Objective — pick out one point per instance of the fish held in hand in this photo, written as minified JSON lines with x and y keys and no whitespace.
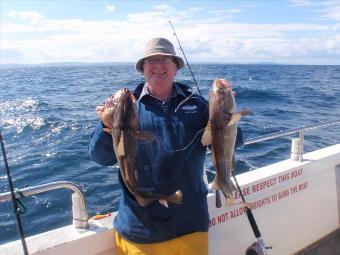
{"x":125,"y":133}
{"x":220,"y":133}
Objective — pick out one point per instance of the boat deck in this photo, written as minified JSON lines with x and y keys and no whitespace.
{"x":329,"y":245}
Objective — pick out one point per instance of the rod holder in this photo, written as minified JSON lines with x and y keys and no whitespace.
{"x":79,"y":211}
{"x":297,"y":149}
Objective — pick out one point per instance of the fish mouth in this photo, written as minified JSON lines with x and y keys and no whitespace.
{"x":124,"y":95}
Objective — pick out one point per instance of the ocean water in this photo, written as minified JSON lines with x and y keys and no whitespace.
{"x":47,"y":114}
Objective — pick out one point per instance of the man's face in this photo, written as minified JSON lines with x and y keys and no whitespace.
{"x":159,"y":69}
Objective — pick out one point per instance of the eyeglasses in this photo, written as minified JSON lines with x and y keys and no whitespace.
{"x":161,"y":61}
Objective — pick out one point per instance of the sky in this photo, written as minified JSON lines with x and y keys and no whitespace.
{"x":234,"y":31}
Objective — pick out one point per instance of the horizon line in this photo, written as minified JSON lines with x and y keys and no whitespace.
{"x":130,"y":62}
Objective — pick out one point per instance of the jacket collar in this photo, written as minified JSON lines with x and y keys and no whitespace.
{"x":177,"y":91}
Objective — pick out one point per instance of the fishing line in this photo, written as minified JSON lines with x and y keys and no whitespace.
{"x":192,"y":74}
{"x":180,"y":46}
{"x":191,"y":142}
{"x":182,"y":149}
{"x":17,"y":209}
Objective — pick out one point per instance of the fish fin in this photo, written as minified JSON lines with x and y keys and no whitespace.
{"x":108,"y":130}
{"x":143,"y":201}
{"x":164,"y":203}
{"x":231,"y":201}
{"x":136,"y":175}
{"x":231,"y":186}
{"x":233,"y":165}
{"x":245,"y":112}
{"x":145,"y":136}
{"x":207,"y":137}
{"x":176,"y":198}
{"x":237,"y":116}
{"x":234,"y":118}
{"x":246,"y":205}
{"x":121,"y":147}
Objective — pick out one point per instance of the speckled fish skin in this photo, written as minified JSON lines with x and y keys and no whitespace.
{"x":221,"y":133}
{"x":125,"y":123}
{"x":125,"y":133}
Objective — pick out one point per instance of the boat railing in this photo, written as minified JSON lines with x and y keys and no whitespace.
{"x":79,"y":206}
{"x":297,"y":143}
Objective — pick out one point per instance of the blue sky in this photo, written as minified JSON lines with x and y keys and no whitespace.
{"x":238,"y":31}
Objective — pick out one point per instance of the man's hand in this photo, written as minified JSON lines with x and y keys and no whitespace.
{"x":105,"y":114}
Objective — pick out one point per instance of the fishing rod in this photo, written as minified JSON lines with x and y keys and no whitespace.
{"x":180,"y":46}
{"x":17,"y":209}
{"x":257,"y":248}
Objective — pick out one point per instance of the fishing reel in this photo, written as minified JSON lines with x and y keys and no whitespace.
{"x":256,"y":248}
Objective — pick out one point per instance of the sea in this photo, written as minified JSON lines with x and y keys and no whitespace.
{"x":47,"y":115}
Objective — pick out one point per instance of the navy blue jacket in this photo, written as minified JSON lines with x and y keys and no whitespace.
{"x":174,"y":161}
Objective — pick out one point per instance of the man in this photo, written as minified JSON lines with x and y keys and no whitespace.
{"x":174,"y":161}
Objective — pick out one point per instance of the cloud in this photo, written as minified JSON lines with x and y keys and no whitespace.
{"x":8,"y":55}
{"x":234,"y":10}
{"x":329,"y":9}
{"x":331,"y":12}
{"x":110,"y":8}
{"x":300,"y":2}
{"x":203,"y":39}
{"x":163,"y":8}
{"x":25,"y":15}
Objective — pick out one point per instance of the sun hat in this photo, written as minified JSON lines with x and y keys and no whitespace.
{"x":159,"y":46}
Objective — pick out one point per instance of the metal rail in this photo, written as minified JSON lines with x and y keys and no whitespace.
{"x":289,"y":132}
{"x":79,"y":207}
{"x":297,"y":143}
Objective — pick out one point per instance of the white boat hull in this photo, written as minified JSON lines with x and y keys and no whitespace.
{"x":294,"y":204}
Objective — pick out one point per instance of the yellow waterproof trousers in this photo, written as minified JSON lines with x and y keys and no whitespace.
{"x":191,"y":244}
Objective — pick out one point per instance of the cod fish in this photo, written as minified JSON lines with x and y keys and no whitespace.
{"x":125,"y":133}
{"x":220,"y":133}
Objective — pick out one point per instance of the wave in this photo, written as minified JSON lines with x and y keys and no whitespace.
{"x":258,"y":95}
{"x":48,"y":114}
{"x":21,"y":114}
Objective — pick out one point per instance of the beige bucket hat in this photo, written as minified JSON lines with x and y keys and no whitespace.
{"x":159,"y":46}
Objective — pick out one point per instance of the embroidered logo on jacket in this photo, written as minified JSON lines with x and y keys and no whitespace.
{"x":189,"y":108}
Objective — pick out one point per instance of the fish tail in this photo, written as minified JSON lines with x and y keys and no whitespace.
{"x":230,"y":202}
{"x":176,"y":198}
{"x":227,"y":192}
{"x":214,"y":186}
{"x":228,"y":195}
{"x":224,"y":187}
{"x":231,"y":186}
